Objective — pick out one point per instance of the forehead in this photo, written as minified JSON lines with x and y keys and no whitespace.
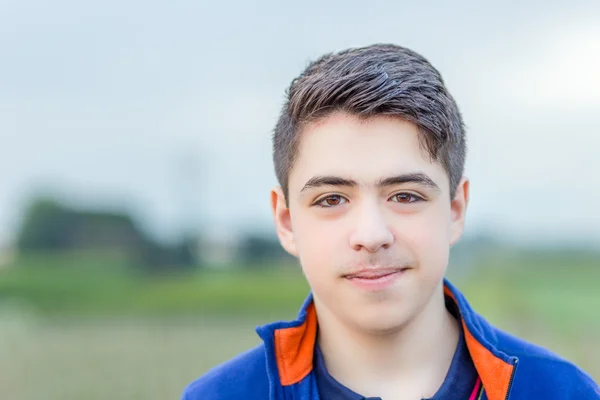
{"x":364,"y":150}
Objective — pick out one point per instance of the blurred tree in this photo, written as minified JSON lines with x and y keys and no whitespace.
{"x":50,"y":226}
{"x":160,"y":258}
{"x":256,"y":250}
{"x":45,"y":226}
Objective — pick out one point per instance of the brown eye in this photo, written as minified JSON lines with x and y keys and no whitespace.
{"x":406,"y":198}
{"x":331,"y":201}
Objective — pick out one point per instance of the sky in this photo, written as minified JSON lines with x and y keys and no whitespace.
{"x":166,"y":109}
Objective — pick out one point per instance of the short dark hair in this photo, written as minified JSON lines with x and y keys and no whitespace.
{"x":381,"y":79}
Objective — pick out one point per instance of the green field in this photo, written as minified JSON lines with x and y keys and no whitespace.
{"x":72,"y":330}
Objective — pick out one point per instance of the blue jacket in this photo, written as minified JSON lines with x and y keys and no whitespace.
{"x":281,"y":368}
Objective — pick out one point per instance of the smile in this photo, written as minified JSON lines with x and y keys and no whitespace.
{"x":375,"y":279}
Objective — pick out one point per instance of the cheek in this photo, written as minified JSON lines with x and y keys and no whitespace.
{"x":318,"y":243}
{"x":428,"y":236}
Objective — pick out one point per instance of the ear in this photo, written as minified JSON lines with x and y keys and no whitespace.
{"x":283,"y":221}
{"x":458,"y":210}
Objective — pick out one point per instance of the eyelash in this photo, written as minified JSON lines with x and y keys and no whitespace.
{"x":319,"y":203}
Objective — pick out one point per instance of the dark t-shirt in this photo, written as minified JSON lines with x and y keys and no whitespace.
{"x":458,"y":384}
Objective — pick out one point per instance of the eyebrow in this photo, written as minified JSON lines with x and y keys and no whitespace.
{"x":329,"y":180}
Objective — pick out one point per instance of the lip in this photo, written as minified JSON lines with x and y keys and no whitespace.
{"x":375,"y":278}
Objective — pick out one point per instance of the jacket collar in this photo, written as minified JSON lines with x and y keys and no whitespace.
{"x":292,"y":346}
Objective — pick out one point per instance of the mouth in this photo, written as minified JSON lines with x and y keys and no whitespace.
{"x":375,"y":278}
{"x":375,"y":273}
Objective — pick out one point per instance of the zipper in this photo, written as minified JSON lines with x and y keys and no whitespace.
{"x":512,"y":376}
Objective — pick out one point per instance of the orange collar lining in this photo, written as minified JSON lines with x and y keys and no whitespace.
{"x":494,"y":372}
{"x":294,"y":349}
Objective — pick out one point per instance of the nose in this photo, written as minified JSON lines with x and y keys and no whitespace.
{"x":371,"y":231}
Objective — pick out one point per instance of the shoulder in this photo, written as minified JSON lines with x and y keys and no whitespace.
{"x":544,"y":374}
{"x":244,"y":376}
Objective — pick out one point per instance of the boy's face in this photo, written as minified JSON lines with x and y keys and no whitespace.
{"x":370,"y":219}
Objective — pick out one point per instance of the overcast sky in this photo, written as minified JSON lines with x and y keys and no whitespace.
{"x":166,"y":109}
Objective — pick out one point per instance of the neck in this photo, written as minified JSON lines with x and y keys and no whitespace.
{"x":415,"y":357}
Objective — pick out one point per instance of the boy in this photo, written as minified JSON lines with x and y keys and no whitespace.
{"x":369,"y":152}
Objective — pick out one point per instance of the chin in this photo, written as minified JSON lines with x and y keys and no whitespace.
{"x":380,"y":327}
{"x":382,"y":321}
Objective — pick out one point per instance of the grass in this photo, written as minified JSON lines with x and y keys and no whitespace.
{"x":59,"y":287}
{"x":126,"y":359}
